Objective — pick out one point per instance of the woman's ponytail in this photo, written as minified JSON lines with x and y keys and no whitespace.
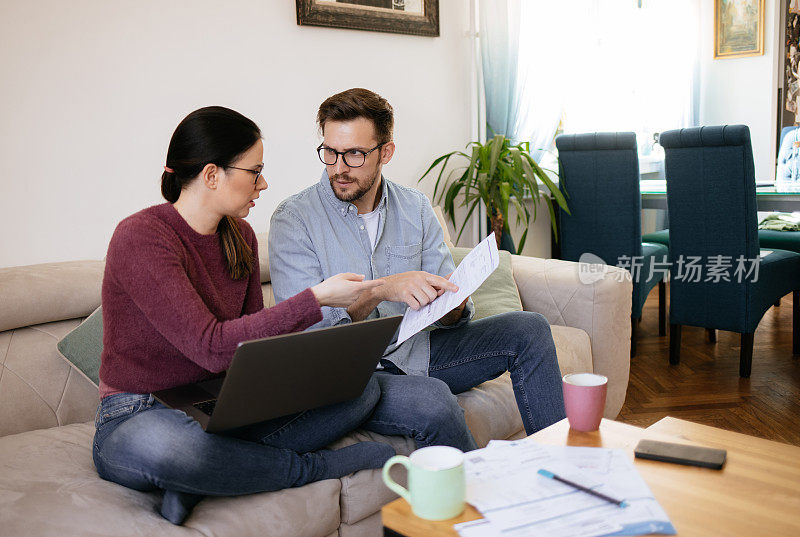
{"x":237,"y":252}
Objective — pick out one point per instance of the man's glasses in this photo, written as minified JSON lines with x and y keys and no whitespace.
{"x":353,"y":158}
{"x":258,"y":173}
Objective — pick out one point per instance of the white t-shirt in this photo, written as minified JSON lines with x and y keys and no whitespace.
{"x":371,"y":221}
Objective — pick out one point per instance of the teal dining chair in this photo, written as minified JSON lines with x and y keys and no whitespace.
{"x":711,"y":199}
{"x":599,"y":174}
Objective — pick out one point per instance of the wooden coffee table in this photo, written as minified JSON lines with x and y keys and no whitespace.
{"x":756,"y":493}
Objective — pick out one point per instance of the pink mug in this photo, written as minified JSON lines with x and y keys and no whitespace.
{"x":584,"y":400}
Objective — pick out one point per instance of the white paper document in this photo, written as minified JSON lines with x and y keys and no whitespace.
{"x":468,"y":276}
{"x":503,"y":484}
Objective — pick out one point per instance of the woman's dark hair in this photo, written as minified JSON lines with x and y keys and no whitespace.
{"x":355,"y":103}
{"x":209,"y":135}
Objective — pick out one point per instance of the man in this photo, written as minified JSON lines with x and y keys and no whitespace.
{"x":354,"y":220}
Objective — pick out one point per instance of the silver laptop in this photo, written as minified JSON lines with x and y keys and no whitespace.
{"x":277,"y":376}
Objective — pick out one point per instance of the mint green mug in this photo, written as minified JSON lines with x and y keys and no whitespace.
{"x":435,"y":481}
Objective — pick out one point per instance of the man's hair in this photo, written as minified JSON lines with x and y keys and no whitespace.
{"x":358,"y":102}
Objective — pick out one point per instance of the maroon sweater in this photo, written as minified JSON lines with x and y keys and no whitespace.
{"x":172,"y":314}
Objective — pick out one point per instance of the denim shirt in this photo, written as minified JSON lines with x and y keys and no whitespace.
{"x":313,"y":235}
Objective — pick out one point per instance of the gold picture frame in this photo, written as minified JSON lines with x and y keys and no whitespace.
{"x":395,"y":16}
{"x":738,"y":28}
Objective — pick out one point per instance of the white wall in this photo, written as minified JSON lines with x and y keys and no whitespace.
{"x":92,"y":91}
{"x":743,"y":90}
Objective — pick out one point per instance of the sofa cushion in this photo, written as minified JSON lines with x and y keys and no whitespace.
{"x":491,"y":410}
{"x":448,"y":240}
{"x":574,"y":349}
{"x":310,"y":511}
{"x":269,"y":296}
{"x":36,"y":294}
{"x":263,"y":256}
{"x":364,"y":493}
{"x":498,"y":294}
{"x":38,"y":388}
{"x":82,"y":347}
{"x":366,"y":527}
{"x":48,"y":477}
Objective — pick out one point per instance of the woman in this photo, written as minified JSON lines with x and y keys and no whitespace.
{"x":181,"y":290}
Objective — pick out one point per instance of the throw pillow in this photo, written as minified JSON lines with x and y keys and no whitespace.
{"x":82,"y":346}
{"x":498,"y":294}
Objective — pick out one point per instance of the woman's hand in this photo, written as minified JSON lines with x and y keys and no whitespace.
{"x":343,"y":289}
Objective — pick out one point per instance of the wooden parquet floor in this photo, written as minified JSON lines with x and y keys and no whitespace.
{"x":705,"y":387}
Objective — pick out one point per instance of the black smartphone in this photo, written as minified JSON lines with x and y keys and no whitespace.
{"x":680,"y":454}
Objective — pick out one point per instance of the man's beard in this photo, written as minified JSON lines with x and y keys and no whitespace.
{"x":358,"y":194}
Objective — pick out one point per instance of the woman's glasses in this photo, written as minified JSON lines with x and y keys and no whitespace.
{"x":258,"y":173}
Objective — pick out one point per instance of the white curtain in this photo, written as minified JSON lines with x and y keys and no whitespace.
{"x":545,"y":70}
{"x":606,"y":65}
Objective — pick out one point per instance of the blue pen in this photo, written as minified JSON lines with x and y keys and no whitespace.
{"x":551,"y":475}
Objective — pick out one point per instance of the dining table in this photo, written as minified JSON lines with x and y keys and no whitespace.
{"x":769,"y":196}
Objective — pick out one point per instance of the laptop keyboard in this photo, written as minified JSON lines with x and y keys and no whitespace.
{"x":207,"y":407}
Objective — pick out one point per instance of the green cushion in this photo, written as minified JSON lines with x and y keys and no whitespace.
{"x":782,"y":240}
{"x":658,"y":237}
{"x":82,"y":346}
{"x":498,"y":294}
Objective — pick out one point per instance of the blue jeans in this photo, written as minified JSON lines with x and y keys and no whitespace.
{"x":426,"y":409}
{"x":422,"y":408}
{"x":143,"y":445}
{"x":519,"y":342}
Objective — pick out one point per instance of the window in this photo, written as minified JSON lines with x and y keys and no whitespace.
{"x":607,"y":65}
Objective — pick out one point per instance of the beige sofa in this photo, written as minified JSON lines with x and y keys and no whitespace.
{"x":48,"y":483}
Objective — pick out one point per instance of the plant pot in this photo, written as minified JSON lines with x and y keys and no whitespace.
{"x":506,"y":241}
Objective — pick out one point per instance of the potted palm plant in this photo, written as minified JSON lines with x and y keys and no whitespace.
{"x":499,"y":174}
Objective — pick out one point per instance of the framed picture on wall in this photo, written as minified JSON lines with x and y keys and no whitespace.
{"x":738,"y":28}
{"x":415,"y":17}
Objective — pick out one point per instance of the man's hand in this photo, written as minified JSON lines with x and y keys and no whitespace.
{"x":417,"y":288}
